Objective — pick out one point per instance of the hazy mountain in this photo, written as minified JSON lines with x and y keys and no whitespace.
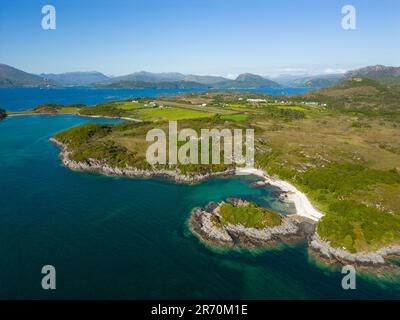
{"x":377,"y":72}
{"x":76,"y":78}
{"x":307,"y":81}
{"x":320,"y":81}
{"x":167,"y":76}
{"x":168,"y":80}
{"x":12,"y":77}
{"x":205,"y":79}
{"x":135,"y":84}
{"x":247,"y":81}
{"x":150,"y":77}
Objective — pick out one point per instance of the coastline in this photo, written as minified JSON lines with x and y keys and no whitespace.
{"x":323,"y":251}
{"x":73,"y":114}
{"x":303,"y":206}
{"x":320,"y":249}
{"x":102,"y":168}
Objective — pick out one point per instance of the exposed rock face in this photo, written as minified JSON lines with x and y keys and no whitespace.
{"x":334,"y":255}
{"x":204,"y":223}
{"x":101,"y":166}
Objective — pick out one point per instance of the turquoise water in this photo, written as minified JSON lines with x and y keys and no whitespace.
{"x":18,"y":99}
{"x":127,"y":238}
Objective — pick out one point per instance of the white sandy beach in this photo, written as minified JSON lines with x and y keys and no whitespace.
{"x":303,"y":205}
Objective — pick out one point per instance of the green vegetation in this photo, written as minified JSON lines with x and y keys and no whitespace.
{"x":124,"y":145}
{"x":58,"y":108}
{"x":89,"y":142}
{"x":360,"y":95}
{"x":343,"y":179}
{"x":235,"y":117}
{"x":147,"y":111}
{"x":350,"y":223}
{"x":346,"y":174}
{"x":52,"y":108}
{"x":357,"y":227}
{"x":104,"y":109}
{"x":163,"y":114}
{"x":250,"y":216}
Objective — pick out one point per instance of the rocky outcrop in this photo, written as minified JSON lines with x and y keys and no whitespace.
{"x":101,"y":166}
{"x":205,"y":223}
{"x":323,"y":250}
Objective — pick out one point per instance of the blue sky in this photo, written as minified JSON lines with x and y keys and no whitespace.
{"x":224,"y":37}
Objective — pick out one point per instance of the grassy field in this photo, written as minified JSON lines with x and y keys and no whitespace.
{"x":169,"y":114}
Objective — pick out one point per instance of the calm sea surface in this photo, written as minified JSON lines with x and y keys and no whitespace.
{"x":17,"y":99}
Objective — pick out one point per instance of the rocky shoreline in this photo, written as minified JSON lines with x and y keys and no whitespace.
{"x":202,"y":223}
{"x":323,"y":251}
{"x":293,"y":227}
{"x":98,"y":166}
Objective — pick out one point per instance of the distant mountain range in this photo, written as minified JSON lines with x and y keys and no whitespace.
{"x":318,"y":81}
{"x":140,"y":80}
{"x":76,"y":78}
{"x":138,"y":84}
{"x":167,"y":76}
{"x":12,"y":77}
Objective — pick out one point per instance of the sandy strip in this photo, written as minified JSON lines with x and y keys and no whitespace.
{"x":74,"y":114}
{"x":303,"y":205}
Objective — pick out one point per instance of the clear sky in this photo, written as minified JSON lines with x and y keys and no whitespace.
{"x":223,"y":37}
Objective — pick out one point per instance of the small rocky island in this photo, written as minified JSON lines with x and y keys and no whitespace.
{"x":239,"y":223}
